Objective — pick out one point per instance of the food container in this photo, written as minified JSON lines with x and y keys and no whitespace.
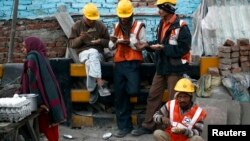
{"x":33,"y":100}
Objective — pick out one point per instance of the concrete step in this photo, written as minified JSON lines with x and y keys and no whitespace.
{"x":88,"y":119}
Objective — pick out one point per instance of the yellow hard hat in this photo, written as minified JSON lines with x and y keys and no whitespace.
{"x":91,"y":12}
{"x":158,"y":2}
{"x":184,"y":85}
{"x":124,"y":9}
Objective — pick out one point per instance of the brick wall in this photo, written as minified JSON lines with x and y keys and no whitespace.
{"x":48,"y":30}
{"x":36,"y":17}
{"x":33,"y":9}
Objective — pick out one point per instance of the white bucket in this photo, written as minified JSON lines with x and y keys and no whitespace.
{"x":33,"y":100}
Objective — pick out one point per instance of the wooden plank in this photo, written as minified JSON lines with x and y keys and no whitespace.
{"x":78,"y":70}
{"x":80,"y":95}
{"x":66,"y":22}
{"x":1,"y":70}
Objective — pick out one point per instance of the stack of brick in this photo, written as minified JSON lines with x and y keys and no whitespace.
{"x":225,"y":57}
{"x":244,"y":47}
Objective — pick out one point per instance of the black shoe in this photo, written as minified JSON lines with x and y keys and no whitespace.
{"x":122,"y":133}
{"x":93,"y":96}
{"x":141,"y":131}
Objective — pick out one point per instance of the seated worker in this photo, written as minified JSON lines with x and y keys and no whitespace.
{"x":89,"y":37}
{"x":183,"y":119}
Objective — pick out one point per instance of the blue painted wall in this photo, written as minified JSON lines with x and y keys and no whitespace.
{"x":33,"y":9}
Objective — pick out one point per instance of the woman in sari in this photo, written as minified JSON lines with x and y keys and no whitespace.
{"x":38,"y":78}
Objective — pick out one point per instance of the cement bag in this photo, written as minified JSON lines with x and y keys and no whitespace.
{"x":203,"y":86}
{"x":236,"y":89}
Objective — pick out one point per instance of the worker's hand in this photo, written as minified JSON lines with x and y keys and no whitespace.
{"x":113,"y":39}
{"x":165,"y":121}
{"x":96,"y":42}
{"x":157,"y":47}
{"x":84,"y":35}
{"x":177,"y":130}
{"x":141,"y":45}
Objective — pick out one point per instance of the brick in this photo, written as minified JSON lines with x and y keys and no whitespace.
{"x":235,"y":60}
{"x":3,"y":39}
{"x":235,"y":48}
{"x":243,"y":58}
{"x":235,"y":54}
{"x":213,"y":71}
{"x":229,"y":43}
{"x":224,"y":49}
{"x":236,"y":70}
{"x":224,"y":55}
{"x":33,"y":26}
{"x":61,"y":44}
{"x":3,"y":55}
{"x":3,"y":49}
{"x":245,"y":48}
{"x":51,"y":44}
{"x":21,"y":28}
{"x":235,"y":65}
{"x":245,"y":64}
{"x":60,"y":51}
{"x":225,"y":61}
{"x":3,"y":44}
{"x":242,"y":41}
{"x":244,"y":53}
{"x":224,"y":67}
{"x":225,"y":72}
{"x":245,"y":69}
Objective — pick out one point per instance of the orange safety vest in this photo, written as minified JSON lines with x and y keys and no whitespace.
{"x":125,"y":52}
{"x":173,"y":40}
{"x":186,"y":120}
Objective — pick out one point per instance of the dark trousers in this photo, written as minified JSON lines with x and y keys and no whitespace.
{"x":127,"y":83}
{"x":154,"y":100}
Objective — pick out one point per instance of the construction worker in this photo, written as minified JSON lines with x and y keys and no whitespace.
{"x":127,"y":34}
{"x":89,"y":37}
{"x":171,"y":48}
{"x":184,"y":119}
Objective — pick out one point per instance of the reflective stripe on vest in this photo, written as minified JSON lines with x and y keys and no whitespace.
{"x":124,"y":52}
{"x":175,"y":34}
{"x":194,"y":119}
{"x":173,"y":41}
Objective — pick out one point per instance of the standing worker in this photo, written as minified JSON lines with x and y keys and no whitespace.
{"x":183,"y":119}
{"x":89,"y":37}
{"x":128,"y":34}
{"x":172,"y":57}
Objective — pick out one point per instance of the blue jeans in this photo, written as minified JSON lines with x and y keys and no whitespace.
{"x":127,"y":83}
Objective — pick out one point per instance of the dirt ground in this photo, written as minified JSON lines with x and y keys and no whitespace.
{"x":96,"y":133}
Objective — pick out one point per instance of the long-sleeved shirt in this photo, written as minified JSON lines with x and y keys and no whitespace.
{"x":98,"y":31}
{"x":164,"y":112}
{"x":141,"y":37}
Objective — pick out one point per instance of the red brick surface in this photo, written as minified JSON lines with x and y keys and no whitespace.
{"x":56,"y":46}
